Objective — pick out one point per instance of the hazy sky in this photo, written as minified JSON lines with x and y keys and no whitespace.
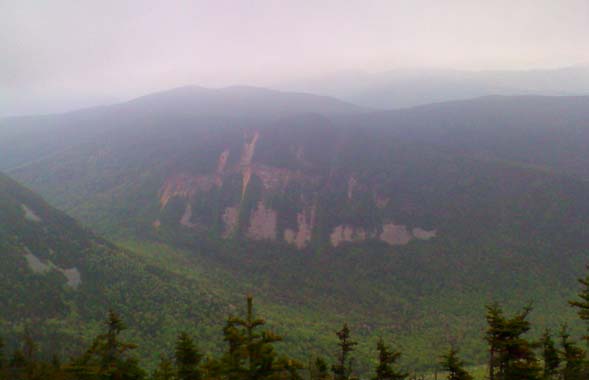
{"x":59,"y":49}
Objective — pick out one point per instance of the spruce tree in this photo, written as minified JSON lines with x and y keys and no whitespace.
{"x":572,"y":357}
{"x":29,"y":350}
{"x":319,"y":369}
{"x":108,"y":356}
{"x":16,"y":365}
{"x":493,"y":336}
{"x":250,"y":353}
{"x":165,"y":370}
{"x":343,"y":369}
{"x":187,"y":358}
{"x":452,"y":364}
{"x":582,"y":305}
{"x":387,"y":360}
{"x":550,"y":357}
{"x":511,"y":356}
{"x":2,"y":364}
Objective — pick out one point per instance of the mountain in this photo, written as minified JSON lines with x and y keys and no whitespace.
{"x":60,"y":280}
{"x":407,"y":88}
{"x":402,"y":223}
{"x":550,"y":133}
{"x":23,"y":139}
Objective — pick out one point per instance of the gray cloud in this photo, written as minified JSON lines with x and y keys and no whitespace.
{"x":68,"y":49}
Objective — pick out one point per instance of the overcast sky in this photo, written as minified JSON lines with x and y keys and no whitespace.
{"x":53,"y":50}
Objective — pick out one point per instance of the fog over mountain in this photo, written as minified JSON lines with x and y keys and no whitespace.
{"x":61,"y":55}
{"x":411,"y":174}
{"x":406,"y":88}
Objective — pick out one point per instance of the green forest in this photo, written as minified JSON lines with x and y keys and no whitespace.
{"x":252,"y":352}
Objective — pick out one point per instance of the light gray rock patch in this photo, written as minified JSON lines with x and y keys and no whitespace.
{"x":30,"y":214}
{"x":72,"y":275}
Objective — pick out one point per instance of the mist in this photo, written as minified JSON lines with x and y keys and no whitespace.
{"x":63,"y":55}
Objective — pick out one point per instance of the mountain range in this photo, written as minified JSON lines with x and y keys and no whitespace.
{"x":412,"y":87}
{"x":403,"y":223}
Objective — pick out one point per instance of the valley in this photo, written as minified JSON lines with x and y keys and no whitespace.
{"x":326,"y":212}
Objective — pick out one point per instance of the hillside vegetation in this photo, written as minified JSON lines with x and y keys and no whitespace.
{"x":402,"y":223}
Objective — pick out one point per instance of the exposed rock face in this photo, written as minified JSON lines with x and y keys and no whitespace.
{"x":249,"y":148}
{"x":395,"y":234}
{"x":421,"y":234}
{"x":30,"y":214}
{"x":262,"y":223}
{"x":187,"y":216}
{"x":185,"y":186}
{"x":342,"y":234}
{"x":35,"y":264}
{"x":221,"y":164}
{"x":230,"y":218}
{"x":74,"y":279}
{"x":274,"y":178}
{"x":391,"y":234}
{"x":305,"y":224}
{"x":72,"y":275}
{"x":352,"y":184}
{"x":292,"y":185}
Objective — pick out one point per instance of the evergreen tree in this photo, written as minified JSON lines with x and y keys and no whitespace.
{"x":550,"y":357}
{"x":2,"y":364}
{"x":250,"y":354}
{"x":212,"y":369}
{"x":387,"y":360}
{"x":582,"y":304}
{"x":165,"y":370}
{"x":16,"y":365}
{"x":187,"y":358}
{"x":573,"y":357}
{"x":233,"y":361}
{"x":452,"y":364}
{"x":343,"y":369}
{"x":319,"y":370}
{"x":108,"y":356}
{"x":29,"y":349}
{"x":288,"y":369}
{"x":510,"y":355}
{"x":493,"y":336}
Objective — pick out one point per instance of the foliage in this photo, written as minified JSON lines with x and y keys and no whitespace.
{"x":550,"y":356}
{"x":511,"y":356}
{"x":387,"y":360}
{"x":343,"y":369}
{"x":452,"y":364}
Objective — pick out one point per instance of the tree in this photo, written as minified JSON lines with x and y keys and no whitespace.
{"x":343,"y":369}
{"x":2,"y":364}
{"x":550,"y":357}
{"x":319,"y":370}
{"x":187,"y":358}
{"x":511,"y":356}
{"x":452,"y":364}
{"x":250,"y":353}
{"x":582,"y":304}
{"x":108,"y":356}
{"x":495,"y":320}
{"x":16,"y":364}
{"x":164,"y":371}
{"x":572,"y":355}
{"x":387,"y":360}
